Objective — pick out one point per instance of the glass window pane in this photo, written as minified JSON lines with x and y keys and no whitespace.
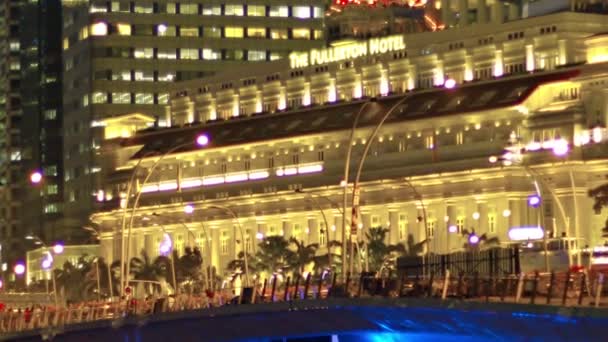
{"x":212,"y":32}
{"x":233,"y":10}
{"x":278,"y":11}
{"x":233,"y":32}
{"x":256,"y":11}
{"x":256,"y":32}
{"x":279,"y":34}
{"x":212,"y":10}
{"x":253,"y":55}
{"x":301,"y":33}
{"x":301,"y":12}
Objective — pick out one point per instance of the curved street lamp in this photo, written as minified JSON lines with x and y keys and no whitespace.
{"x":201,"y":141}
{"x":47,"y":263}
{"x":356,"y":190}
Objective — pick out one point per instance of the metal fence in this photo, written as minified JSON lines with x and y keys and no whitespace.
{"x":563,"y":289}
{"x":491,"y":262}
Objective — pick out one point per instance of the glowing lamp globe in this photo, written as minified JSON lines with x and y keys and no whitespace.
{"x":166,"y":245}
{"x":506,"y":213}
{"x":452,"y":228}
{"x":36,"y":177}
{"x":58,"y":248}
{"x":188,"y":209}
{"x":19,"y":269}
{"x":202,"y":140}
{"x":46,"y":264}
{"x":473,"y":239}
{"x":161,"y":29}
{"x":534,"y":201}
{"x":449,"y":83}
{"x":561,"y":147}
{"x":259,"y":236}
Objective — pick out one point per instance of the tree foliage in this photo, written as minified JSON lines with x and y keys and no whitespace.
{"x":600,"y":201}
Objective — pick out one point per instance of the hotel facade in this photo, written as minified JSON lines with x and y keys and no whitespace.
{"x":276,"y":141}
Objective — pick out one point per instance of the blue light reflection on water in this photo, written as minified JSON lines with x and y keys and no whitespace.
{"x":406,"y":337}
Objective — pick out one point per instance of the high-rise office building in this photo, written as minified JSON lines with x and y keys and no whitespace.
{"x":120,"y":56}
{"x":30,"y":122}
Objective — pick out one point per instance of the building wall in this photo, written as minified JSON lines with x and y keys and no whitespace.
{"x":445,"y":158}
{"x":120,"y":57}
{"x":464,"y":54}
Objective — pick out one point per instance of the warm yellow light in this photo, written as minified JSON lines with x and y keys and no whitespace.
{"x":99,"y":29}
{"x":123,"y":29}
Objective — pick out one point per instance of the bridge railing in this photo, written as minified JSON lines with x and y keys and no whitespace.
{"x":563,"y":289}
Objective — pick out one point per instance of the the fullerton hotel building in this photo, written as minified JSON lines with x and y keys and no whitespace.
{"x":274,"y":141}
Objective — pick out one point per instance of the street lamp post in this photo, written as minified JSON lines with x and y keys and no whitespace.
{"x":345,"y":184}
{"x":424,"y":221}
{"x":201,"y":141}
{"x":48,"y":262}
{"x":368,"y":143}
{"x":318,"y":205}
{"x":189,"y":209}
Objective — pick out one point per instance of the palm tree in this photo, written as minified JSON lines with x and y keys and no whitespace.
{"x":188,"y":266}
{"x":321,"y":261}
{"x":143,"y":268}
{"x":274,"y":255}
{"x":303,"y":255}
{"x":71,"y":279}
{"x":484,"y":241}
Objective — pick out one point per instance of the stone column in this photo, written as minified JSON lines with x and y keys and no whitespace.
{"x":498,"y":16}
{"x":149,"y":244}
{"x":530,"y":57}
{"x":482,"y":12}
{"x":482,"y":208}
{"x":287,"y":227}
{"x":313,"y":228}
{"x":453,"y":238}
{"x":513,"y":11}
{"x":463,"y":9}
{"x":337,"y":234}
{"x":446,"y":13}
{"x":393,"y":218}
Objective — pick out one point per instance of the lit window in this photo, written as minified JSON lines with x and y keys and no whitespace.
{"x":278,"y":11}
{"x":163,"y":98}
{"x":15,"y":66}
{"x":167,"y":54}
{"x":224,"y":242}
{"x":253,"y":55}
{"x":318,"y":12}
{"x":188,"y":8}
{"x":189,"y":54}
{"x":256,"y":32}
{"x":302,"y":12}
{"x":233,"y":10}
{"x":15,"y":155}
{"x":144,"y":76}
{"x":256,"y":10}
{"x":459,"y":138}
{"x":166,"y":76}
{"x":211,"y":54}
{"x":121,"y":98}
{"x":322,"y":235}
{"x":460,"y":224}
{"x":318,"y":34}
{"x":301,"y":33}
{"x":83,"y":33}
{"x":430,"y":229}
{"x":15,"y":46}
{"x":98,"y":9}
{"x":123,"y":29}
{"x":52,"y":189}
{"x":144,"y":8}
{"x":99,"y":29}
{"x":85,"y":100}
{"x":144,"y":53}
{"x":402,"y":227}
{"x":66,"y":43}
{"x":171,"y":8}
{"x":144,"y":98}
{"x":275,"y":55}
{"x":188,"y":31}
{"x":50,"y":114}
{"x":492,"y":223}
{"x":212,"y":10}
{"x":50,"y":209}
{"x":233,"y":32}
{"x":99,"y":97}
{"x":124,"y":75}
{"x":279,"y":34}
{"x":212,"y":32}
{"x":50,"y":170}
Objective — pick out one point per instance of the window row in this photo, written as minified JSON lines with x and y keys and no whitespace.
{"x":129,"y":98}
{"x":187,"y":54}
{"x":103,"y":28}
{"x":280,"y":11}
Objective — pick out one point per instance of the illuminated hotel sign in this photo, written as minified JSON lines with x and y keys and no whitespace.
{"x":348,"y":51}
